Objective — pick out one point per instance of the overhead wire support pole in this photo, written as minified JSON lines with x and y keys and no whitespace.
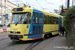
{"x":72,"y":2}
{"x":68,"y":3}
{"x":17,"y":2}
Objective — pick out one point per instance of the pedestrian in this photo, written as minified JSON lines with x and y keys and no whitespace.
{"x":62,"y":30}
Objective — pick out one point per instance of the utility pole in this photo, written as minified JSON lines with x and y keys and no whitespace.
{"x":61,"y":10}
{"x":68,"y":3}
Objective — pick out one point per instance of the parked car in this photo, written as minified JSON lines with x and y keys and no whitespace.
{"x":1,"y":25}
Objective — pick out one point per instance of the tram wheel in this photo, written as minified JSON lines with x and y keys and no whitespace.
{"x":50,"y":35}
{"x":47,"y":36}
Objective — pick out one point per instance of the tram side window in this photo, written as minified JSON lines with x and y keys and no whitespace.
{"x":25,"y":19}
{"x":50,"y":19}
{"x":33,"y":17}
{"x":36,"y":18}
{"x":54,"y":20}
{"x":57,"y":20}
{"x":40,"y":18}
{"x":29,"y":17}
{"x":45,"y":19}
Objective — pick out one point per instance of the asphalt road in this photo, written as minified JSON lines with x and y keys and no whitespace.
{"x":7,"y":44}
{"x":47,"y":44}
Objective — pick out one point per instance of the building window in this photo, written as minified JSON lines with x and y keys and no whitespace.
{"x":4,"y":11}
{"x":0,"y":1}
{"x":9,"y":7}
{"x":0,"y":19}
{"x":4,"y":2}
{"x":0,"y":9}
{"x":9,"y":14}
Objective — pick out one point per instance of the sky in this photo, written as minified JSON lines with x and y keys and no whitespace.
{"x":47,"y":5}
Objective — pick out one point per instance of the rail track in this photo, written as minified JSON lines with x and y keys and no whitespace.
{"x":29,"y":47}
{"x":33,"y":45}
{"x":4,"y":39}
{"x":7,"y":46}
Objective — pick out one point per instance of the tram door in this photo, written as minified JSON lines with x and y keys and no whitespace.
{"x":60,"y":21}
{"x":37,"y":25}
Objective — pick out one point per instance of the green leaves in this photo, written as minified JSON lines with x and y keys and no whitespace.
{"x":68,"y":14}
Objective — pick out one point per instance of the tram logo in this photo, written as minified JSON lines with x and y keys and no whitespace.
{"x":14,"y":29}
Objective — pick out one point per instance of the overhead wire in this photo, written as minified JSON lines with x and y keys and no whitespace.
{"x":39,"y":4}
{"x":50,"y":3}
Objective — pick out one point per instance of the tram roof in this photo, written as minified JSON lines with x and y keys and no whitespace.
{"x":49,"y":13}
{"x":29,"y":9}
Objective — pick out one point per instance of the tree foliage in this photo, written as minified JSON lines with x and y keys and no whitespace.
{"x":58,"y":11}
{"x":68,"y":14}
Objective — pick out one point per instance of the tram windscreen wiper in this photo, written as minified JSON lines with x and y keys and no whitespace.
{"x":19,"y":22}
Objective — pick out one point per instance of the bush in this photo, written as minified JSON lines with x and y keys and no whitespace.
{"x":68,"y":14}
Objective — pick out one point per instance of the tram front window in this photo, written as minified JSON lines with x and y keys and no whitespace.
{"x":19,"y":18}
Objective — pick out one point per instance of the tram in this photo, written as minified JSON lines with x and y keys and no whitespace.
{"x":29,"y":23}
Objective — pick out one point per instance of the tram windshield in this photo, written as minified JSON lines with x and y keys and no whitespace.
{"x":21,"y":18}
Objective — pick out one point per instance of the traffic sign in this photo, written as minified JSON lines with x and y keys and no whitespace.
{"x":4,"y":30}
{"x":6,"y":16}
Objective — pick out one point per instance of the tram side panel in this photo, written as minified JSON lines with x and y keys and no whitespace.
{"x":51,"y":28}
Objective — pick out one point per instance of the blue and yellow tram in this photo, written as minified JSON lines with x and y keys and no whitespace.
{"x":29,"y":23}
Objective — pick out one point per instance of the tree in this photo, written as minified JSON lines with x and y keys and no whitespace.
{"x":68,"y":14}
{"x":56,"y":11}
{"x":60,"y":9}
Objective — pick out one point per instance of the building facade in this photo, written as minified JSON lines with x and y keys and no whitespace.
{"x":5,"y":8}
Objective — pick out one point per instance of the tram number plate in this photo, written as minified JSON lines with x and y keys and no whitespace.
{"x":14,"y":32}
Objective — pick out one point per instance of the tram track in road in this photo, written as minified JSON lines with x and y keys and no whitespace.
{"x":3,"y":38}
{"x":21,"y":45}
{"x":33,"y":45}
{"x":7,"y":46}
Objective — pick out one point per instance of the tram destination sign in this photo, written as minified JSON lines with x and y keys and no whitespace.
{"x":18,"y":9}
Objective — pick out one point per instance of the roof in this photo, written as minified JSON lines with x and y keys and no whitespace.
{"x":45,"y":12}
{"x":49,"y":13}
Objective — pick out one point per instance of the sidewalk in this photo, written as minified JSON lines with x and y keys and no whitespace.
{"x":54,"y":43}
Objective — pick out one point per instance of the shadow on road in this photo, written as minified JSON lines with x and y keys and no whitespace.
{"x":33,"y":41}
